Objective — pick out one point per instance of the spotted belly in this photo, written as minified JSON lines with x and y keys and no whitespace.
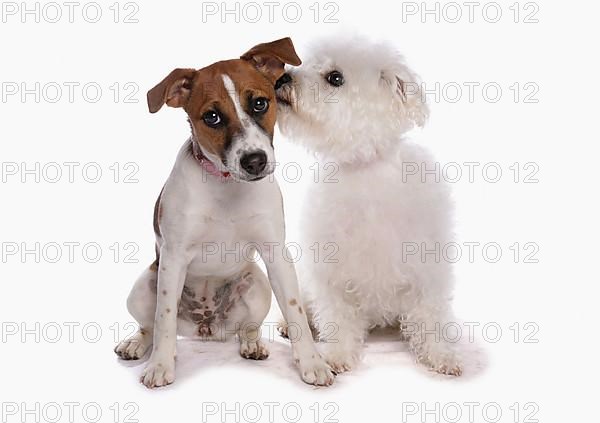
{"x":209,"y":303}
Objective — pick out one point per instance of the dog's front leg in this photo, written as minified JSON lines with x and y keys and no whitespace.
{"x":282,"y":275}
{"x":160,"y":369}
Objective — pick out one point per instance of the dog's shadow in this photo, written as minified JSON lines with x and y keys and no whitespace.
{"x":195,"y":356}
{"x":384,"y":349}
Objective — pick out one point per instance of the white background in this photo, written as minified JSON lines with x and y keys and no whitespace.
{"x":556,"y":295}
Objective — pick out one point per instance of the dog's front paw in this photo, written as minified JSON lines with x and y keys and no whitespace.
{"x":451,"y":369}
{"x":158,"y":373}
{"x":340,"y":360}
{"x":316,"y":371}
{"x":441,"y":358}
{"x":253,"y":350}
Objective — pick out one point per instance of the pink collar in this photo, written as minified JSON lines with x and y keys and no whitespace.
{"x":206,"y":164}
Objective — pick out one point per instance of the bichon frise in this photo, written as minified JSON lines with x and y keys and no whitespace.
{"x":351,"y":104}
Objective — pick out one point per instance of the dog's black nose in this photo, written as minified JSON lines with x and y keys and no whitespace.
{"x":285,"y":78}
{"x":254,"y":163}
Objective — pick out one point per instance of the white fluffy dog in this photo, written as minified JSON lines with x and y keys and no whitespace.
{"x":351,"y":104}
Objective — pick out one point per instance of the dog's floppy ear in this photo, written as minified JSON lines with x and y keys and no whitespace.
{"x":271,"y":58}
{"x":174,"y":90}
{"x":407,"y":93}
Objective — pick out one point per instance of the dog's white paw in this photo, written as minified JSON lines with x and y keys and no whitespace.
{"x":158,"y":373}
{"x":253,"y":350}
{"x":441,"y":358}
{"x":316,"y":371}
{"x":135,"y":347}
{"x":340,"y":360}
{"x":451,"y":369}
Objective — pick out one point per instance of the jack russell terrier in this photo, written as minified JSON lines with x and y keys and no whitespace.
{"x":215,"y":200}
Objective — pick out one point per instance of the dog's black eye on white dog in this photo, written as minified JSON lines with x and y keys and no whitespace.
{"x":260,"y":105}
{"x":211,"y":118}
{"x":335,"y":78}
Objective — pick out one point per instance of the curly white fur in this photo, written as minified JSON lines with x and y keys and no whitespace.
{"x":370,"y":213}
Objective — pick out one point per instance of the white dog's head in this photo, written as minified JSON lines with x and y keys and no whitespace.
{"x":350,"y":100}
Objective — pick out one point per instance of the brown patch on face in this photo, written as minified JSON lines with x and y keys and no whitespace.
{"x":168,"y":310}
{"x":154,"y":266}
{"x":300,"y":310}
{"x":251,"y":84}
{"x":293,"y":302}
{"x":198,"y":91}
{"x":208,"y":94}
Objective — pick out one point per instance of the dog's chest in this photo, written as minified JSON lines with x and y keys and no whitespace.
{"x":221,"y":247}
{"x":222,"y":236}
{"x":217,"y":223}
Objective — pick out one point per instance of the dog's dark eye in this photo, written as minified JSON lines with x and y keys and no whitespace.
{"x":260,"y":105}
{"x":335,"y":78}
{"x":211,"y":118}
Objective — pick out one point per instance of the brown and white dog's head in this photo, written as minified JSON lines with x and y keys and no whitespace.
{"x":231,"y":107}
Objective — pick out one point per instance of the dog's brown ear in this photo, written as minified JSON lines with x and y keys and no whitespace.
{"x":271,"y":58}
{"x":174,"y":90}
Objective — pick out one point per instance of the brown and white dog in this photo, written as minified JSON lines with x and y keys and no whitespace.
{"x":217,"y":201}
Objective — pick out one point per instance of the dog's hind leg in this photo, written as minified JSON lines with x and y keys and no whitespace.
{"x":141,"y":304}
